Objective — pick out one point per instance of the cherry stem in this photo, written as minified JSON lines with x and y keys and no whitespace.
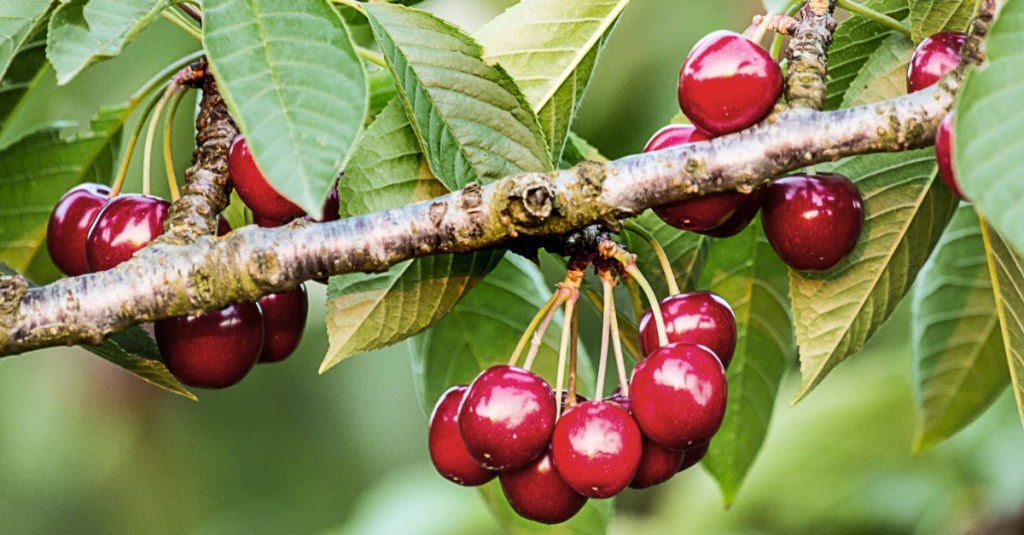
{"x":632,"y":349}
{"x":543,"y":315}
{"x":606,"y":319}
{"x":373,"y":57}
{"x":147,"y":153}
{"x":172,"y":108}
{"x":566,"y":289}
{"x":871,"y":14}
{"x":659,"y":321}
{"x":192,"y":10}
{"x":659,"y":251}
{"x":179,"y":20}
{"x":620,"y":363}
{"x":352,"y":4}
{"x":570,"y":310}
{"x":634,"y":297}
{"x":133,"y":139}
{"x":762,"y":28}
{"x":573,"y":353}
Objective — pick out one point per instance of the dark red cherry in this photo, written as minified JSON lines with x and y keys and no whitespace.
{"x":212,"y":350}
{"x":331,"y":206}
{"x":124,"y":225}
{"x":447,"y":451}
{"x":675,"y":135}
{"x":728,"y":83}
{"x":507,"y":417}
{"x":596,"y":447}
{"x":253,"y":187}
{"x":69,"y":223}
{"x":657,"y":463}
{"x":741,"y":218}
{"x":812,"y":221}
{"x":693,"y":455}
{"x":933,"y":58}
{"x":693,"y":318}
{"x":284,"y":320}
{"x":678,"y":395}
{"x":537,"y":492}
{"x":268,"y":222}
{"x":944,"y":155}
{"x":223,"y":227}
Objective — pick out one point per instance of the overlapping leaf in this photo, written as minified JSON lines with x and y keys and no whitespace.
{"x":906,"y":209}
{"x":856,"y":40}
{"x":883,"y":75}
{"x":749,"y":275}
{"x":290,"y":75}
{"x":18,"y":22}
{"x":24,"y":69}
{"x":136,"y":352}
{"x":83,"y":32}
{"x":956,"y":343}
{"x":1006,"y":267}
{"x":989,"y":138}
{"x":470,"y":118}
{"x":929,"y":17}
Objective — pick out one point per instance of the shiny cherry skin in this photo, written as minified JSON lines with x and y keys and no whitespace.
{"x":69,"y":223}
{"x":596,"y":447}
{"x":447,"y":451}
{"x":933,"y":58}
{"x":944,"y":155}
{"x":693,"y":455}
{"x":678,"y":395}
{"x":507,"y":417}
{"x":124,"y":225}
{"x":728,"y":83}
{"x":741,"y":218}
{"x":657,"y":463}
{"x":537,"y":492}
{"x":212,"y":350}
{"x":693,"y":318}
{"x":223,"y":227}
{"x":284,"y":321}
{"x":253,"y":187}
{"x":812,"y":221}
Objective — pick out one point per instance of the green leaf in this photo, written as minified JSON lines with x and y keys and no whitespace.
{"x":25,"y":70}
{"x":746,"y":272}
{"x":1006,"y":267}
{"x":36,"y":170}
{"x":382,"y":92}
{"x":928,"y":17}
{"x":959,"y":359}
{"x":686,"y":252}
{"x":854,"y":42}
{"x":550,"y":49}
{"x":290,"y":76}
{"x":906,"y":209}
{"x":470,"y":118}
{"x":18,"y":19}
{"x":83,"y":32}
{"x":989,"y":128}
{"x":593,"y":519}
{"x":136,"y":352}
{"x":884,"y":75}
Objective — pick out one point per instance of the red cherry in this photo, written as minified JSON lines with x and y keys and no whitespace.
{"x":944,"y":155}
{"x":693,"y":455}
{"x":537,"y":492}
{"x":507,"y":417}
{"x":447,"y":451}
{"x":674,"y":135}
{"x":253,"y":187}
{"x":124,"y":225}
{"x":933,"y":58}
{"x":69,"y":223}
{"x":741,"y":218}
{"x":728,"y":83}
{"x":812,"y":221}
{"x":331,"y":206}
{"x":223,"y":227}
{"x":596,"y":447}
{"x":268,"y":222}
{"x":212,"y":350}
{"x":657,"y":463}
{"x":284,"y":320}
{"x":693,"y":318}
{"x":678,"y":395}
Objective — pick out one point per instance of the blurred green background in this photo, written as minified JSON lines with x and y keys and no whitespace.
{"x":86,"y":448}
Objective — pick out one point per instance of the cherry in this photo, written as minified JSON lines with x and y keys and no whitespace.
{"x":675,"y":135}
{"x":812,"y":221}
{"x":212,"y":350}
{"x":728,"y":83}
{"x":693,"y":455}
{"x":223,"y":227}
{"x":124,"y":225}
{"x":332,"y":206}
{"x":678,"y":395}
{"x":507,"y":417}
{"x":933,"y":58}
{"x":741,"y":218}
{"x":268,"y":222}
{"x":69,"y":223}
{"x":944,"y":155}
{"x":447,"y":451}
{"x":657,"y":463}
{"x":253,"y":187}
{"x":693,"y":318}
{"x":596,"y":447}
{"x":284,"y":320}
{"x":537,"y":492}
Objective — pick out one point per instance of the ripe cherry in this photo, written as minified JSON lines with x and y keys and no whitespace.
{"x":944,"y":155}
{"x":728,"y":83}
{"x":507,"y":417}
{"x":212,"y":350}
{"x":124,"y":225}
{"x":284,"y":320}
{"x":447,"y":451}
{"x":657,"y":463}
{"x":678,"y":395}
{"x":69,"y":223}
{"x":693,"y":318}
{"x":223,"y":227}
{"x":741,"y":218}
{"x":596,"y":447}
{"x":332,"y":206}
{"x":693,"y":455}
{"x":253,"y":187}
{"x":537,"y":492}
{"x":933,"y":58}
{"x":812,"y":221}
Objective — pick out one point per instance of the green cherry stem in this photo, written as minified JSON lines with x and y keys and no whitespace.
{"x":563,"y":350}
{"x":133,"y":139}
{"x":543,"y":316}
{"x":595,"y":299}
{"x":606,"y":319}
{"x":176,"y":18}
{"x":659,"y":321}
{"x":566,"y":289}
{"x":659,"y":251}
{"x":373,"y":57}
{"x":574,"y":334}
{"x":147,"y":153}
{"x":172,"y":108}
{"x":871,"y":14}
{"x":620,"y":363}
{"x":352,"y":4}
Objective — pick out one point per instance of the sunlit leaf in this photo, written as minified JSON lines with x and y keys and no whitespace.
{"x":24,"y":70}
{"x":928,"y":17}
{"x":1006,"y":266}
{"x":855,"y":41}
